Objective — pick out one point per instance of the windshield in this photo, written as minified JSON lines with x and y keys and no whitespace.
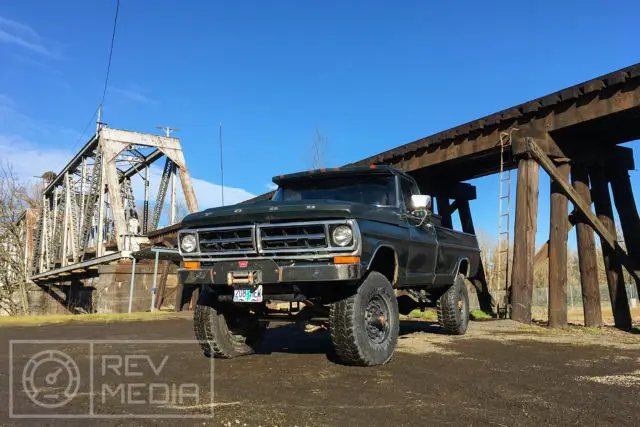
{"x":377,"y":190}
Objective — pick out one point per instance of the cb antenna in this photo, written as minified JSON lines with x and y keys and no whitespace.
{"x":221,"y":169}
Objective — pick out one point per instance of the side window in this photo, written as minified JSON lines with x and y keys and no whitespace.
{"x":408,"y":189}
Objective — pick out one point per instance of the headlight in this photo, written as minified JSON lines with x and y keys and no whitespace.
{"x":342,"y":235}
{"x":188,"y":243}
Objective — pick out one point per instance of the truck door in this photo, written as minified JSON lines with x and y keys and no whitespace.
{"x":423,"y":246}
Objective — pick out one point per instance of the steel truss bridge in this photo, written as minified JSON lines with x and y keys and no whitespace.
{"x":89,"y":214}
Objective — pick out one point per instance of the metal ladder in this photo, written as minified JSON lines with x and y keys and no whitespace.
{"x":504,"y":225}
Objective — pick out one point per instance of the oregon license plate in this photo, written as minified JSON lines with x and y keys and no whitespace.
{"x":248,"y":294}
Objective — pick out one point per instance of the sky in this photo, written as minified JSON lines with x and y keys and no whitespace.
{"x":370,"y":75}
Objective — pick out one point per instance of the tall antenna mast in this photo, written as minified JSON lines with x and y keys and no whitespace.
{"x":221,"y":169}
{"x":99,"y":122}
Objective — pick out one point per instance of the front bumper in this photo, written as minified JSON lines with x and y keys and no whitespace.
{"x":270,"y":272}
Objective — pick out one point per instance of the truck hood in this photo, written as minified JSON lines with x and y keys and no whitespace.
{"x":269,"y":210}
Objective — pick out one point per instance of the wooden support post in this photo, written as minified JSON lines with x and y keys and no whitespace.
{"x":524,"y":239}
{"x":628,"y":213}
{"x":73,"y":296}
{"x":585,"y":208}
{"x":558,"y":233}
{"x":164,"y":275}
{"x":479,"y":280}
{"x":179,"y":296}
{"x":587,"y":251}
{"x":543,"y":252}
{"x":195,"y":294}
{"x":612,"y":264}
{"x":444,"y":210}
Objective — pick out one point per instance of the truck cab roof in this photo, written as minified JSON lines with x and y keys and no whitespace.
{"x":348,"y":171}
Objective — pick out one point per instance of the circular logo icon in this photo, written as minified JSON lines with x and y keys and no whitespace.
{"x":51,"y":379}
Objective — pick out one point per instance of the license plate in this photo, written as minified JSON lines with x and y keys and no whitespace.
{"x":248,"y":295}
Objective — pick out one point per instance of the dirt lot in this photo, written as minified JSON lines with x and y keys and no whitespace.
{"x":501,"y":373}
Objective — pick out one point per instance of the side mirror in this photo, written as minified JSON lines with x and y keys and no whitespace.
{"x":421,"y":202}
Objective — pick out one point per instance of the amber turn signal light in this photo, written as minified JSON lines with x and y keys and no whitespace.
{"x":192,"y":265}
{"x":346,"y":260}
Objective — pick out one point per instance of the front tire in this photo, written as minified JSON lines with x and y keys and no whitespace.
{"x":365,"y":326}
{"x":226,"y":330}
{"x":453,"y":308}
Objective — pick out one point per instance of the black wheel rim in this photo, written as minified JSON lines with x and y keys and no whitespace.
{"x":376,"y":319}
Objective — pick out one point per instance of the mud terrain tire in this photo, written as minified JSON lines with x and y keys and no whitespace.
{"x":225,"y":330}
{"x":364,"y":326}
{"x":453,"y":308}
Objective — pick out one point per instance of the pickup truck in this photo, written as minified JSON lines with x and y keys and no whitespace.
{"x":354,"y":247}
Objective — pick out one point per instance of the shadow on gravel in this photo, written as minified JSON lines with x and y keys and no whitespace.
{"x":412,"y":326}
{"x":292,"y":339}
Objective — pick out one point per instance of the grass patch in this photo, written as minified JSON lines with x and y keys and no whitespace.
{"x":569,"y":330}
{"x":422,"y":315}
{"x":83,"y":318}
{"x":480,"y":315}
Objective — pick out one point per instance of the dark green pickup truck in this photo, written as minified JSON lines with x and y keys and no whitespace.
{"x":353,"y":246}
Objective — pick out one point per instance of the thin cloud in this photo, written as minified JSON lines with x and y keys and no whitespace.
{"x":271,"y":186}
{"x":29,"y":161}
{"x":21,"y":35}
{"x":132,"y":95}
{"x":208,"y":194}
{"x":6,"y":101}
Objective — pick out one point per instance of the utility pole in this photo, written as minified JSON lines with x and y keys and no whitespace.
{"x":99,"y":122}
{"x":173,"y":200}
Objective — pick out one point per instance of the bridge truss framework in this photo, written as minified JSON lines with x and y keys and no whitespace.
{"x":89,"y":214}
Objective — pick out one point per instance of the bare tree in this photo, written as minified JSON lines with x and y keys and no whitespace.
{"x":14,"y":202}
{"x":181,"y":210}
{"x":318,"y":150}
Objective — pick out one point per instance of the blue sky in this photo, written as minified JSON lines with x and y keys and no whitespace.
{"x":371,"y":75}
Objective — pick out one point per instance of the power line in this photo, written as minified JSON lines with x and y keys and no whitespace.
{"x":106,"y":80}
{"x":84,"y":130}
{"x":113,"y":37}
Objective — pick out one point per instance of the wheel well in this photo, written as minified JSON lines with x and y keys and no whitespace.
{"x":385,"y":261}
{"x":463,"y":267}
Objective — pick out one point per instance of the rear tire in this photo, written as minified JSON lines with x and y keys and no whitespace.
{"x":365,"y":326}
{"x":453,"y":308}
{"x":226,"y":330}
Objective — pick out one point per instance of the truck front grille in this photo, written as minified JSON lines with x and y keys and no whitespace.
{"x":277,"y":240}
{"x":227,"y":240}
{"x":292,"y":237}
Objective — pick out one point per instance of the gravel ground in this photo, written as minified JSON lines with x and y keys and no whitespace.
{"x":500,"y":373}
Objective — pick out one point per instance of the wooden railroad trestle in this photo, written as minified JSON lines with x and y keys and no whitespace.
{"x":590,"y":177}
